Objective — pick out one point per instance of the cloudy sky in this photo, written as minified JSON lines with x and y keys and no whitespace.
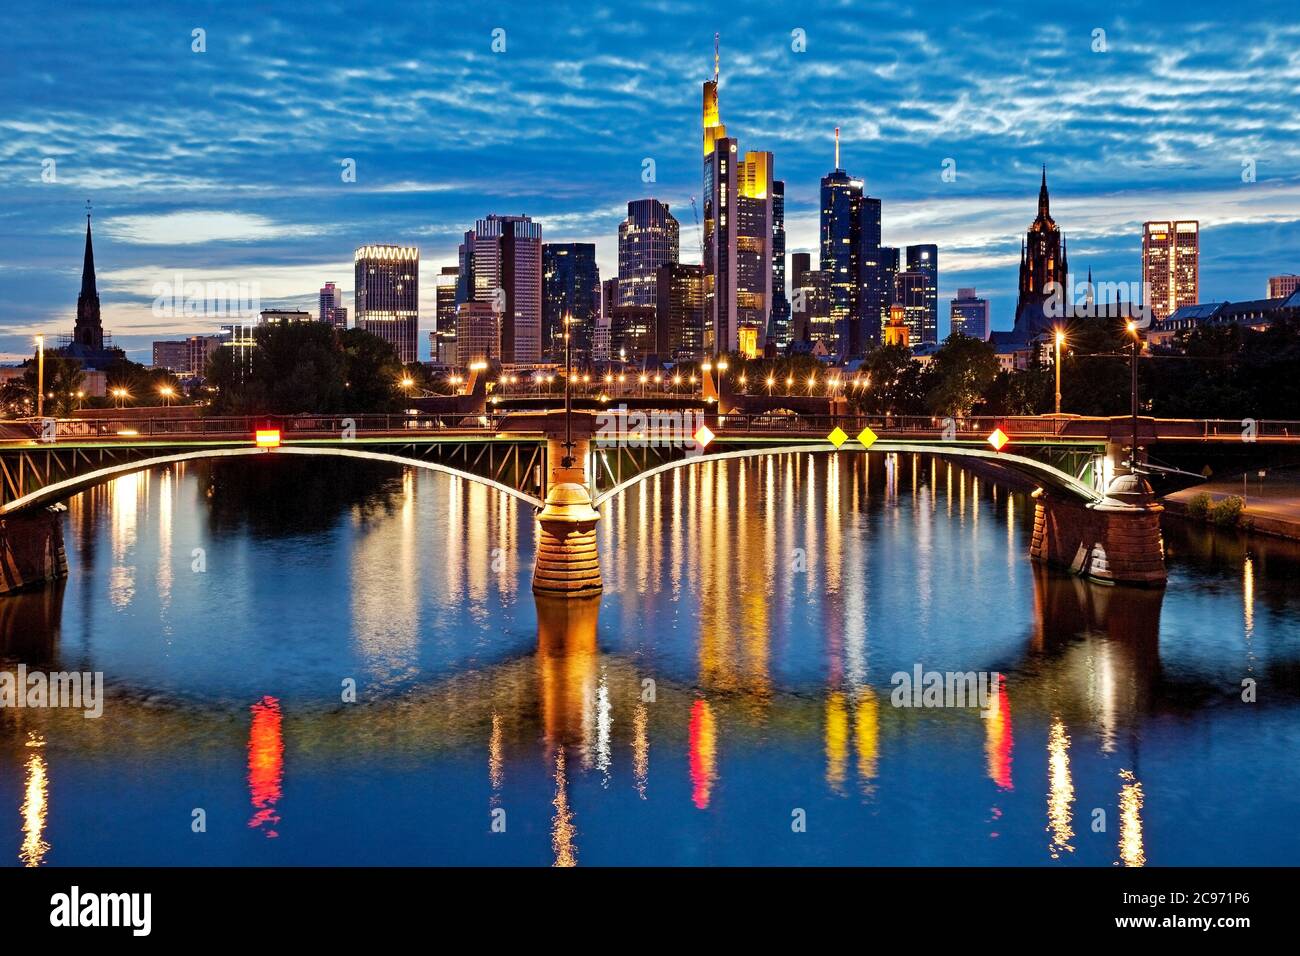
{"x":226,"y":164}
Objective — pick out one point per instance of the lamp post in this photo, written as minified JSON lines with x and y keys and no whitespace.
{"x":1060,"y":340}
{"x":1133,"y":396}
{"x":40,"y":376}
{"x":167,"y":392}
{"x":567,"y":460}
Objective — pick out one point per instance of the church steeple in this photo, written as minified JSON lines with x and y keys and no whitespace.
{"x":89,"y":330}
{"x":1043,"y":202}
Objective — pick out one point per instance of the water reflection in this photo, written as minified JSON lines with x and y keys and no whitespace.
{"x":769,"y":602}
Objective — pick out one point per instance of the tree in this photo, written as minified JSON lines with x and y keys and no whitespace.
{"x":961,"y":371}
{"x":896,"y":383}
{"x":64,"y":378}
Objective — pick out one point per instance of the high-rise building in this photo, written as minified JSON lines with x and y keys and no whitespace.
{"x":738,"y":231}
{"x":285,"y":316}
{"x":1170,"y":265}
{"x":608,"y":297}
{"x":478,"y":334}
{"x":850,"y":255}
{"x":970,"y":315}
{"x":647,"y":238}
{"x":387,"y":296}
{"x":199,"y":350}
{"x":601,"y":339}
{"x":679,"y":312}
{"x":442,"y":342}
{"x":810,"y":315}
{"x":332,"y":311}
{"x":171,"y":356}
{"x":632,"y":332}
{"x":890,"y":267}
{"x":912,"y":287}
{"x":778,"y":331}
{"x":570,"y":287}
{"x":501,"y":263}
{"x":1043,"y":261}
{"x":1279,"y":287}
{"x":924,"y":259}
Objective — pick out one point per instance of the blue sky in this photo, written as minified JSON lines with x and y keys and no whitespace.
{"x":225,"y":165}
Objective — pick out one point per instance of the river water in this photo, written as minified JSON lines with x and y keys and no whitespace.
{"x":341,"y":662}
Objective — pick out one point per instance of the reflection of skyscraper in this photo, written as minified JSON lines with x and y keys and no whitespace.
{"x":388,"y":295}
{"x":738,"y":231}
{"x":647,"y":238}
{"x":924,"y":259}
{"x":570,"y":286}
{"x":1170,"y":265}
{"x":501,"y":263}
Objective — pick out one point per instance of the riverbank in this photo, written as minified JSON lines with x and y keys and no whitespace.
{"x":1271,"y":506}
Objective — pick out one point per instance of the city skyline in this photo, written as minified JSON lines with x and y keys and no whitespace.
{"x":273,"y":211}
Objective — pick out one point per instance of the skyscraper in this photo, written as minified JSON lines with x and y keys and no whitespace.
{"x":570,"y":287}
{"x":478,"y":334}
{"x":778,"y":331}
{"x":970,"y":315}
{"x":332,"y":311}
{"x":913,"y":295}
{"x":924,"y":259}
{"x":501,"y":263}
{"x":811,"y":309}
{"x":679,"y":312}
{"x":1042,"y":262}
{"x":738,"y":231}
{"x":890,"y":267}
{"x":388,"y":295}
{"x":647,"y":238}
{"x":850,"y":256}
{"x":1170,"y":265}
{"x":443,"y":343}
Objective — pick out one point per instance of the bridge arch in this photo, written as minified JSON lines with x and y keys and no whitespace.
{"x":1037,"y":471}
{"x":55,"y":491}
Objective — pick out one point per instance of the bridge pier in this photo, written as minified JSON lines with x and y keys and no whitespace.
{"x":1116,"y":540}
{"x":31,"y":549}
{"x":567,"y":565}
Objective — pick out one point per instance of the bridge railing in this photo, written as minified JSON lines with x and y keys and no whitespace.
{"x":975,"y":427}
{"x":243,"y":427}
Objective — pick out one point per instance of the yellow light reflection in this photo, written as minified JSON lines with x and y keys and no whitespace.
{"x":1248,"y":593}
{"x":640,"y":748}
{"x":1131,"y":851}
{"x":1060,"y":792}
{"x":837,"y":740}
{"x":496,"y":771}
{"x":867,"y":734}
{"x":35,"y":805}
{"x":562,"y":828}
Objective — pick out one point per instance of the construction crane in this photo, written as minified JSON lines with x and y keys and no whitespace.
{"x":699,"y":231}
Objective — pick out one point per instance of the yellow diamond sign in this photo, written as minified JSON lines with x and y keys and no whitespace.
{"x":703,"y":436}
{"x":867,"y":437}
{"x":837,"y":437}
{"x":998,"y":439}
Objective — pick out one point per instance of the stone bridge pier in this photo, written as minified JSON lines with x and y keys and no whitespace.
{"x":568,"y":564}
{"x":31,"y":549}
{"x":1116,"y":540}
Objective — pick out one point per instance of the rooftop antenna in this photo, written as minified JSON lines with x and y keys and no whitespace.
{"x":715,"y":59}
{"x":837,"y":147}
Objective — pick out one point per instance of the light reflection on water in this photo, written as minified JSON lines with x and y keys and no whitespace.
{"x":736,"y":669}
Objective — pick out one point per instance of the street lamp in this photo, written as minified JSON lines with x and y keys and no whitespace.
{"x":167,"y":392}
{"x":119,"y":396}
{"x":40,"y":376}
{"x":1060,"y":340}
{"x":1133,"y":396}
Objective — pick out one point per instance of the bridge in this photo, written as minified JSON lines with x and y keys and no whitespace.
{"x":1092,"y":515}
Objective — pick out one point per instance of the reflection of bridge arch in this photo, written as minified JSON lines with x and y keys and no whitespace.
{"x":57,"y":490}
{"x":1036,"y":471}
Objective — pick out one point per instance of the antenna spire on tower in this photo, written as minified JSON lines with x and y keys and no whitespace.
{"x":837,"y":147}
{"x":716,"y":57}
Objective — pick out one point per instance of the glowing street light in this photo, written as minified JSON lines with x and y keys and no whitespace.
{"x":40,"y":376}
{"x":1060,"y":340}
{"x":168,"y":393}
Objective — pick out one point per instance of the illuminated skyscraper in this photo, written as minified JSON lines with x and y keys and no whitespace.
{"x":924,"y":259}
{"x":850,"y":256}
{"x":444,"y":336}
{"x":810,"y":316}
{"x":779,"y":325}
{"x":647,"y":238}
{"x":570,"y":286}
{"x":1170,"y":265}
{"x":970,"y":315}
{"x":679,"y":312}
{"x":388,"y":295}
{"x":913,"y":287}
{"x":501,"y":263}
{"x":332,"y":310}
{"x":738,"y":231}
